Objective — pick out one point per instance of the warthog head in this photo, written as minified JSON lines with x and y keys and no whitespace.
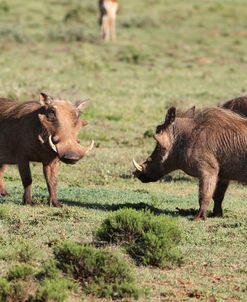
{"x":61,"y":124}
{"x":164,"y":158}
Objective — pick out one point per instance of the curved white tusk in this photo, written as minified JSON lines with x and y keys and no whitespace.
{"x":137,"y":166}
{"x":90,"y":147}
{"x":54,"y":148}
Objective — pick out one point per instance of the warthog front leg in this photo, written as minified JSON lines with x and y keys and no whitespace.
{"x":25,"y":173}
{"x":207,"y":186}
{"x":3,"y":191}
{"x":218,"y":197}
{"x":50,"y":173}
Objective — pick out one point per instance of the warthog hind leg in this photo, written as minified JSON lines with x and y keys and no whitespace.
{"x":3,"y":191}
{"x":50,"y":173}
{"x":218,"y":197}
{"x":207,"y":186}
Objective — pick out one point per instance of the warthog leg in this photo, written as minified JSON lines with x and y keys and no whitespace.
{"x":207,"y":186}
{"x":3,"y":191}
{"x":218,"y":197}
{"x":50,"y":173}
{"x":26,"y":178}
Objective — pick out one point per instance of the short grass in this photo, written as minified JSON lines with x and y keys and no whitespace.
{"x":181,"y":53}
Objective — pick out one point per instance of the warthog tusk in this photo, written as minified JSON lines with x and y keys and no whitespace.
{"x":41,"y":139}
{"x":137,"y":166}
{"x":52,"y":145}
{"x":90,"y":147}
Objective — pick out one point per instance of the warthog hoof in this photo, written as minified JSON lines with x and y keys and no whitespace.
{"x":200,"y":216}
{"x":28,"y":203}
{"x":217,"y":213}
{"x":3,"y":193}
{"x":56,"y":204}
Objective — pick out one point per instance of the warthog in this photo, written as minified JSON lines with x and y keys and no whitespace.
{"x":238,"y":105}
{"x":210,"y":145}
{"x":39,"y":131}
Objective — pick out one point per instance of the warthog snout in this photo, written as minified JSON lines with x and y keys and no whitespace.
{"x":71,"y":157}
{"x":140,"y":172}
{"x":72,"y":154}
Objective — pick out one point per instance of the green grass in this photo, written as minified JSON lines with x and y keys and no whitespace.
{"x":149,"y":239}
{"x":180,"y":53}
{"x":100,"y":272}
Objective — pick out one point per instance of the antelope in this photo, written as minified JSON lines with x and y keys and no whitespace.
{"x":108,"y":12}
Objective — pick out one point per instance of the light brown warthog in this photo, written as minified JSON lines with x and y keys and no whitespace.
{"x":238,"y":105}
{"x":40,"y":131}
{"x":210,"y":145}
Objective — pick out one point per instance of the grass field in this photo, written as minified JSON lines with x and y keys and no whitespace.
{"x":168,"y":52}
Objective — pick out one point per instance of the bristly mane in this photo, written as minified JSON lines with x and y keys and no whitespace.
{"x":10,"y":109}
{"x":218,"y":117}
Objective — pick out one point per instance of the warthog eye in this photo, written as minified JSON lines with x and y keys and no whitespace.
{"x":51,"y":114}
{"x":55,"y":139}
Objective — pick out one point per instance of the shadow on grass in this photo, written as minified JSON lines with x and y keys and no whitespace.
{"x":137,"y":206}
{"x":167,"y":178}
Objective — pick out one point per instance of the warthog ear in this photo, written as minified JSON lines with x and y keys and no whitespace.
{"x":170,"y":116}
{"x":80,"y":105}
{"x":45,"y":99}
{"x":190,"y":112}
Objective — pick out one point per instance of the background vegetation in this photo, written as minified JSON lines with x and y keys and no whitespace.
{"x":169,"y":52}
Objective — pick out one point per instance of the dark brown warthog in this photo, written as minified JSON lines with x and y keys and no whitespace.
{"x":238,"y":105}
{"x":210,"y":145}
{"x":40,"y":131}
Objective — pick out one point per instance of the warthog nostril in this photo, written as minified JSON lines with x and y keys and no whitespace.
{"x":71,"y":157}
